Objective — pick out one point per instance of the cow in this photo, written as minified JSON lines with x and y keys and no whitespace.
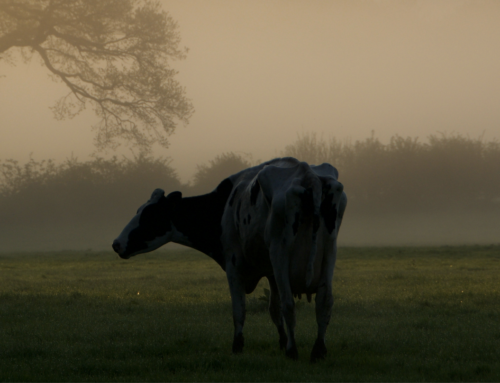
{"x":278,"y":220}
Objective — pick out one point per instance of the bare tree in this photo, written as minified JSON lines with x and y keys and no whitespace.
{"x":113,"y":55}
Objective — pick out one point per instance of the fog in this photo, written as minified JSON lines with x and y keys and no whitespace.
{"x":260,"y":73}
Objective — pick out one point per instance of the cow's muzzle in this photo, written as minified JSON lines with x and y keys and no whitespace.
{"x":117,"y":247}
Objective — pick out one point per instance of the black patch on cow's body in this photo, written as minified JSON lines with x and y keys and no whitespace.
{"x":307,"y":201}
{"x":244,"y":221}
{"x":233,"y":259}
{"x":326,"y":188}
{"x":296,"y":223}
{"x":199,"y":219}
{"x":328,"y":211}
{"x":249,"y":218}
{"x":315,"y":223}
{"x":254,"y":192}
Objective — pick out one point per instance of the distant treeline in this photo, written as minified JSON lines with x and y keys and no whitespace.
{"x":100,"y":190}
{"x":448,"y":172}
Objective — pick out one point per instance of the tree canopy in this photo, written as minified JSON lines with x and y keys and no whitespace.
{"x":113,"y":55}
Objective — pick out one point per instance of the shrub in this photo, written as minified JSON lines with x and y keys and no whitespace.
{"x":73,"y":191}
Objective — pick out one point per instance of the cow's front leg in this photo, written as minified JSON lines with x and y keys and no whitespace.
{"x":237,"y":289}
{"x":275,"y":311}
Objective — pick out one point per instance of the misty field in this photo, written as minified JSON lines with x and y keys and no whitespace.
{"x":400,"y":314}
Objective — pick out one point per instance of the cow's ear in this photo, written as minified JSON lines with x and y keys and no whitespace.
{"x":174,"y":197}
{"x":157,"y":195}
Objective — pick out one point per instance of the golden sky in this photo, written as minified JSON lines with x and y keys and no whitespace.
{"x":261,"y":72}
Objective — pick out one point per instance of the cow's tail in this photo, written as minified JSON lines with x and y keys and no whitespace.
{"x":312,"y":202}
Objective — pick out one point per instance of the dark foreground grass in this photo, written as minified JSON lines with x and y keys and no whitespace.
{"x":400,"y":314}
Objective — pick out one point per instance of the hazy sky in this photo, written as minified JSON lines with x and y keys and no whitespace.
{"x":261,"y":71}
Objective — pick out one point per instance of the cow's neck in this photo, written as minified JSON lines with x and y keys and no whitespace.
{"x":198,"y":223}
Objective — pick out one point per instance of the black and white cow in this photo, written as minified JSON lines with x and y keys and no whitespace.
{"x":278,"y":220}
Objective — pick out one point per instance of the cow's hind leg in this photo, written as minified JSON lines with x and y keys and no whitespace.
{"x":275,"y":311}
{"x":324,"y":304}
{"x":237,"y":290}
{"x":279,"y":260}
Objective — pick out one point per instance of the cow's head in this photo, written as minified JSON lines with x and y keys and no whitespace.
{"x":151,"y":227}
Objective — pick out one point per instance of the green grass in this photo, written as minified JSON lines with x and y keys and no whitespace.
{"x":400,"y":314}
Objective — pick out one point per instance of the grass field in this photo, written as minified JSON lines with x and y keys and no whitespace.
{"x":400,"y":314}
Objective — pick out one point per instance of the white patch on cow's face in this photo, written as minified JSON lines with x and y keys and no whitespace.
{"x":133,"y":224}
{"x":122,"y":239}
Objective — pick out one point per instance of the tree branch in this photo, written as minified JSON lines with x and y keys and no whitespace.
{"x":114,"y":53}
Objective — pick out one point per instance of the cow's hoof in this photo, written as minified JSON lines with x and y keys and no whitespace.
{"x":283,"y":342}
{"x":292,"y":353}
{"x":319,"y":351}
{"x":238,"y":344}
{"x":283,"y":339}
